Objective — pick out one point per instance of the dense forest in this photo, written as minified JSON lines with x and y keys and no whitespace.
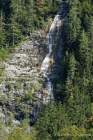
{"x":18,"y":18}
{"x":70,"y":115}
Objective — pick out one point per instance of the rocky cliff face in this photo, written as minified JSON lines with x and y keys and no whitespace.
{"x":22,"y":81}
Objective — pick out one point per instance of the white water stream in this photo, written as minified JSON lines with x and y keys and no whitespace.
{"x":47,"y":61}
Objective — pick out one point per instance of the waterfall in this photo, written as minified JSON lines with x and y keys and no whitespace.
{"x":47,"y":61}
{"x":45,"y":66}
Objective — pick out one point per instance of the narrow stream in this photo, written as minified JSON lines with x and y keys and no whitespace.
{"x":46,"y":64}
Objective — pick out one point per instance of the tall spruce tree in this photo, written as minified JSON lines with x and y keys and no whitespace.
{"x":73,"y":23}
{"x":2,"y":30}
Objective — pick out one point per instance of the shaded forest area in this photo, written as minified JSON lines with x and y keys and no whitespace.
{"x":18,"y":18}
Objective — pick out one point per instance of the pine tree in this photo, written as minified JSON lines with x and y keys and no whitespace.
{"x":70,"y":80}
{"x":78,"y":107}
{"x":2,"y":31}
{"x":51,"y":122}
{"x":73,"y":23}
{"x":84,"y":52}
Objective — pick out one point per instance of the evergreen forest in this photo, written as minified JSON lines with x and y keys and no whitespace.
{"x":69,"y":116}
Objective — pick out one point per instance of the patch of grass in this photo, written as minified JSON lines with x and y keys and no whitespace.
{"x":1,"y":72}
{"x":3,"y":53}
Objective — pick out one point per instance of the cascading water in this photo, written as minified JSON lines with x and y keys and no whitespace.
{"x":47,"y":61}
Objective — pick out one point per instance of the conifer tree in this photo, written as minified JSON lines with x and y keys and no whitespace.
{"x":2,"y":31}
{"x":73,"y":23}
{"x":78,"y":107}
{"x":51,"y":122}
